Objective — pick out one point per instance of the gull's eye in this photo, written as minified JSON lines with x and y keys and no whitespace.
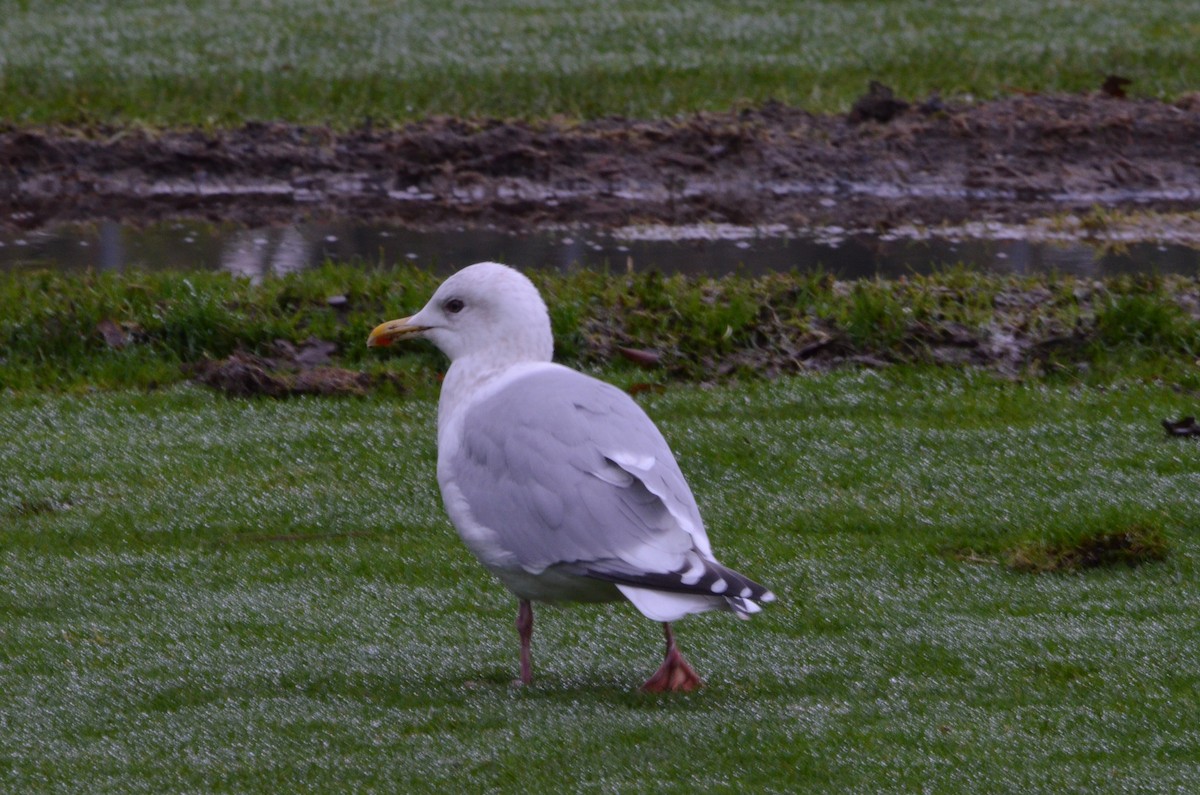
{"x":454,"y":306}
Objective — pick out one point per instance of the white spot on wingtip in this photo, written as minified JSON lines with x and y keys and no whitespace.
{"x":720,"y":586}
{"x":692,"y":575}
{"x":767,"y":597}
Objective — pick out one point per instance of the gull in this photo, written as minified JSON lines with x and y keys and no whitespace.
{"x":559,"y":483}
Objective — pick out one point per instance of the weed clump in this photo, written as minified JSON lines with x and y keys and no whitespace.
{"x":1130,"y":546}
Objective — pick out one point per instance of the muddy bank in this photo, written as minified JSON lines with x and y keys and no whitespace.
{"x":928,"y":163}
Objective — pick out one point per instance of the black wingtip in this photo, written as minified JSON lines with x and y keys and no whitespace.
{"x":699,"y":576}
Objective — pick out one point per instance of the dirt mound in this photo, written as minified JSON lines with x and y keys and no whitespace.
{"x":302,"y":370}
{"x":887,"y":162}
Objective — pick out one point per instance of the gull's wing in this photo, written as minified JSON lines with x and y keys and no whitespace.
{"x":569,"y":472}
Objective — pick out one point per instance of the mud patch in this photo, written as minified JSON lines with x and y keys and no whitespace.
{"x":1130,"y":547}
{"x":296,"y":370}
{"x":890,"y":162}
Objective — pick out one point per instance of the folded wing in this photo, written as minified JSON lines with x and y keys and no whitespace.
{"x":580,"y":480}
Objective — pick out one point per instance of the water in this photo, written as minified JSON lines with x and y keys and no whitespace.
{"x":716,"y":251}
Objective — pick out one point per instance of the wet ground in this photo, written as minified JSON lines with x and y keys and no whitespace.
{"x":886,"y":166}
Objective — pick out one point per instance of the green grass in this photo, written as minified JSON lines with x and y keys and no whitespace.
{"x":199,"y":594}
{"x":170,"y":63}
{"x":702,"y":328}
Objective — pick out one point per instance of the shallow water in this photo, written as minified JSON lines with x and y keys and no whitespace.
{"x":708,"y":250}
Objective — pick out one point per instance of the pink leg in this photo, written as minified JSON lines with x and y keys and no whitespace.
{"x":525,"y":632}
{"x":674,"y":675}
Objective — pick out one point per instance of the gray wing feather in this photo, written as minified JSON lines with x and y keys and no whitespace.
{"x":570,"y":470}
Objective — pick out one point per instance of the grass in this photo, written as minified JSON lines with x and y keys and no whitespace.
{"x":171,"y":63}
{"x":200,"y":594}
{"x":701,"y":328}
{"x":215,"y":595}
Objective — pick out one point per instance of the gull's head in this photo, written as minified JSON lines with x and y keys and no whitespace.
{"x":487,"y":309}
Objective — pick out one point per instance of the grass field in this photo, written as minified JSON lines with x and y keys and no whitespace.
{"x":166,"y":62}
{"x":206,"y":594}
{"x":213,"y":595}
{"x":199,"y":594}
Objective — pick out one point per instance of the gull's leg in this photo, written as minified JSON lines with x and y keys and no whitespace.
{"x":525,"y":632}
{"x":674,"y":675}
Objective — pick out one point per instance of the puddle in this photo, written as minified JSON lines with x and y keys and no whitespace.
{"x":701,"y":249}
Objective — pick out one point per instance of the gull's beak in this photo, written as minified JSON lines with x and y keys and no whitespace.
{"x":387,"y":333}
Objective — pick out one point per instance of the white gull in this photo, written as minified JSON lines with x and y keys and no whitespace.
{"x":559,"y":483}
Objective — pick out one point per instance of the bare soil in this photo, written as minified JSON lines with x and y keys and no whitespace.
{"x":887,"y":162}
{"x":306,"y":369}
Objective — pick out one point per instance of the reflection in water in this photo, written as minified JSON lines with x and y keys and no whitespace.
{"x":112,"y":250}
{"x":256,"y":253}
